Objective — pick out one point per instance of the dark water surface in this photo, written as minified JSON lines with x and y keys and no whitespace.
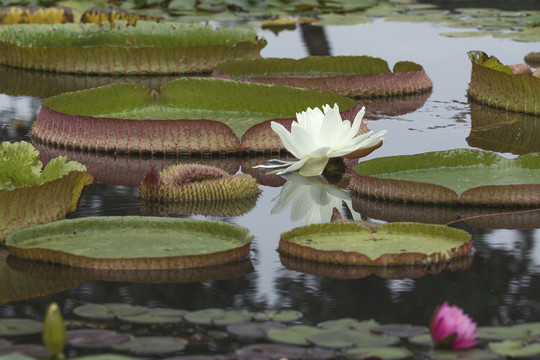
{"x":499,"y":286}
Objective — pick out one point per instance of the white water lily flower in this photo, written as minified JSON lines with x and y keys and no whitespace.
{"x":319,"y":135}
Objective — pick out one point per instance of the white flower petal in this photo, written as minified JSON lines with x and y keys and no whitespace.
{"x":287,"y":139}
{"x":313,"y":166}
{"x":294,"y":166}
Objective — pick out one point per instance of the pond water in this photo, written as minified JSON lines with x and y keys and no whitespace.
{"x":499,"y":286}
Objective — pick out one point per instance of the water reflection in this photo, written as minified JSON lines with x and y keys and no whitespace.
{"x":312,"y":199}
{"x":503,"y":131}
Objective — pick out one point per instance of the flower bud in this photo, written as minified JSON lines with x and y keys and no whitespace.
{"x":54,"y":330}
{"x":520,"y":69}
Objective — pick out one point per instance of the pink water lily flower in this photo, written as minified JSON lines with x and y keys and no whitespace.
{"x":451,"y":328}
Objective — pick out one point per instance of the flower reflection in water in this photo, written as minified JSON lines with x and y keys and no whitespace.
{"x":312,"y":198}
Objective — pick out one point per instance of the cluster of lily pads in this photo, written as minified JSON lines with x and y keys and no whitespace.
{"x":282,"y":14}
{"x":93,"y":330}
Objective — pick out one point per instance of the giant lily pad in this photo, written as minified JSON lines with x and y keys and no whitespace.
{"x":147,"y":48}
{"x":123,"y":243}
{"x":30,"y":195}
{"x":186,"y":116}
{"x":460,"y":176}
{"x":354,"y":76}
{"x":391,"y":244}
{"x":493,"y":84}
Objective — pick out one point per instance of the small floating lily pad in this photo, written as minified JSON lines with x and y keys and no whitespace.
{"x":17,"y":327}
{"x":515,"y":332}
{"x":217,"y":316}
{"x":467,"y":354}
{"x":400,"y":330}
{"x":253,"y":329}
{"x":105,"y":357}
{"x":16,"y":356}
{"x":278,"y":315}
{"x":460,"y":176}
{"x":344,"y":338}
{"x":122,"y":243}
{"x":27,"y":350}
{"x":293,"y":335}
{"x":146,"y":48}
{"x":353,"y":76}
{"x":156,"y":316}
{"x":493,"y":84}
{"x":391,"y":244}
{"x":279,"y":351}
{"x":515,"y":348}
{"x":187,"y":116}
{"x":380,"y":353}
{"x":151,"y":345}
{"x":95,"y":338}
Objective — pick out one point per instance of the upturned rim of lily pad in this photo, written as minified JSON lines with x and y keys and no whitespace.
{"x":353,"y":76}
{"x":350,"y":243}
{"x":493,"y":84}
{"x":79,"y":243}
{"x":135,"y":119}
{"x":36,"y":196}
{"x":146,"y":48}
{"x":371,"y":179}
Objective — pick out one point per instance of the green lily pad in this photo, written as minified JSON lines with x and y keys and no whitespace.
{"x":139,"y":243}
{"x":514,"y":348}
{"x":348,"y":323}
{"x":383,"y":353}
{"x":95,"y":338}
{"x":515,"y":332}
{"x":94,"y":311}
{"x":293,"y":335}
{"x":188,"y":116}
{"x":423,"y":340}
{"x":217,"y":316}
{"x":460,"y":176}
{"x":105,"y":357}
{"x":156,"y":316}
{"x":344,"y":338}
{"x":278,"y":315}
{"x":152,"y":345}
{"x":493,"y":84}
{"x":392,"y":244}
{"x":354,"y":76}
{"x":17,"y":327}
{"x":253,"y":330}
{"x":400,"y":330}
{"x":30,"y":195}
{"x":146,"y":48}
{"x":27,"y":350}
{"x":16,"y":356}
{"x":282,"y":351}
{"x":468,"y":354}
{"x":108,"y":311}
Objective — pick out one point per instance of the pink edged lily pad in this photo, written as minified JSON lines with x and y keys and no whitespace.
{"x":188,"y":116}
{"x":460,"y":176}
{"x":353,"y":76}
{"x":391,"y":244}
{"x":140,"y":243}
